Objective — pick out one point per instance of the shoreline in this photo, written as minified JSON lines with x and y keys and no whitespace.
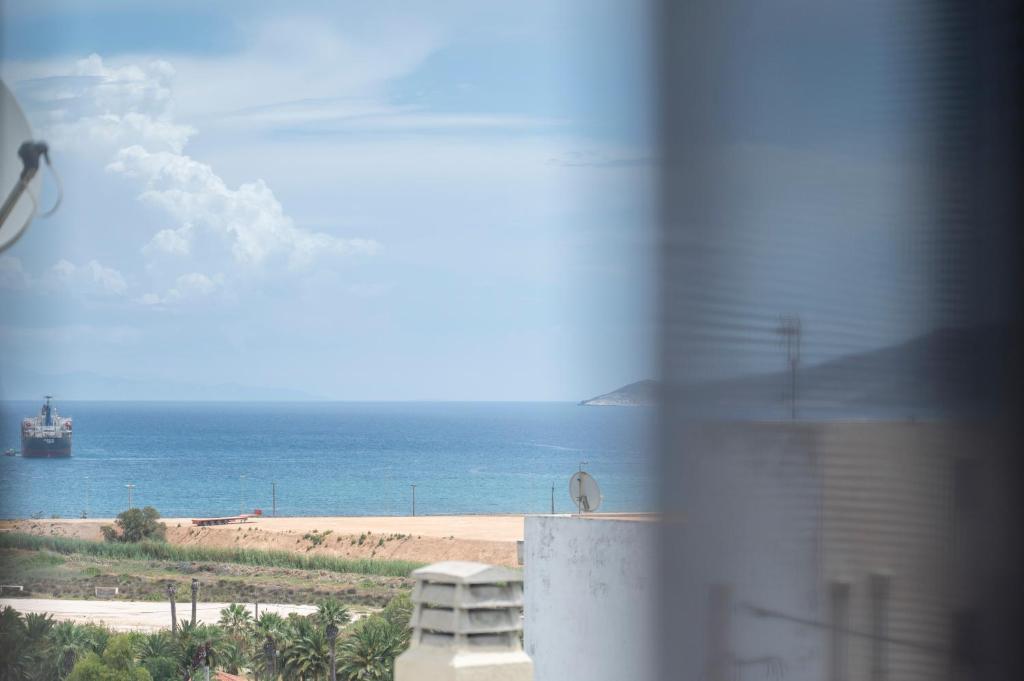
{"x":489,"y":539}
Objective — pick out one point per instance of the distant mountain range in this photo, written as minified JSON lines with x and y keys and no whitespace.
{"x":950,"y":369}
{"x":21,"y":384}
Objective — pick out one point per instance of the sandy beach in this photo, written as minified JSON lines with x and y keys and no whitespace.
{"x":485,"y":538}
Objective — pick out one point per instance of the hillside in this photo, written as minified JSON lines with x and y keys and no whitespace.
{"x":641,"y":393}
{"x":937,"y":373}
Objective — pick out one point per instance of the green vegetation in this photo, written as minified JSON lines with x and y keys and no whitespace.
{"x":35,"y":648}
{"x":136,"y":525}
{"x":152,"y":550}
{"x":145,"y":580}
{"x":316,"y":538}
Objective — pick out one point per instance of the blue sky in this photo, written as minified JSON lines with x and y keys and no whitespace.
{"x":355,"y":200}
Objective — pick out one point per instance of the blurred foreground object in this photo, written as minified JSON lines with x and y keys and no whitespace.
{"x":466,"y":624}
{"x":856,"y":167}
{"x":20,"y":183}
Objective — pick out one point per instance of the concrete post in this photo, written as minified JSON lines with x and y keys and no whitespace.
{"x":466,"y":622}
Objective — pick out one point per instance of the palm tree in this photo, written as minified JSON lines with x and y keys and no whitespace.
{"x":38,"y":626}
{"x":15,"y":660}
{"x":98,"y":637}
{"x":369,"y":653}
{"x":305,"y":654}
{"x":330,"y":611}
{"x":236,"y":619}
{"x":39,"y":647}
{"x":332,"y":615}
{"x":158,"y":653}
{"x":270,"y":629}
{"x":192,"y":637}
{"x":271,"y":623}
{"x":71,"y":642}
{"x":398,"y":611}
{"x":233,"y":656}
{"x":159,"y":644}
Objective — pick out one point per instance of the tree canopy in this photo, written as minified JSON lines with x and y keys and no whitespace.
{"x":135,"y":525}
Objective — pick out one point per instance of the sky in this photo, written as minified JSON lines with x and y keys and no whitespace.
{"x":353,"y":201}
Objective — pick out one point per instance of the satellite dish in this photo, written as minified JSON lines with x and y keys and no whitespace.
{"x":584,"y":492}
{"x":20,"y":181}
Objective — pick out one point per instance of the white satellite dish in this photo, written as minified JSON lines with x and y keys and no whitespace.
{"x":20,"y":181}
{"x":584,"y":492}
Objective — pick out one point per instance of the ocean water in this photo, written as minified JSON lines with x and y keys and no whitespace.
{"x":196,"y":459}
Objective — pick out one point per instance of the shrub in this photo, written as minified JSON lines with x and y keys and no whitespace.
{"x":136,"y":525}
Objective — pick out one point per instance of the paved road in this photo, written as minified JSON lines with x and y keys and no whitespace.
{"x":133,"y":615}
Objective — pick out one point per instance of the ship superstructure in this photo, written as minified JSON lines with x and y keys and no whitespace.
{"x":46,"y":436}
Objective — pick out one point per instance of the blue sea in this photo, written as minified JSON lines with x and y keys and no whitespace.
{"x":340,"y":458}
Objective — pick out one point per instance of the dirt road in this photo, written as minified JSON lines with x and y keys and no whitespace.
{"x":134,"y":615}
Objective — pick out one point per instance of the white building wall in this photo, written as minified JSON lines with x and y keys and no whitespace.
{"x":589,"y":595}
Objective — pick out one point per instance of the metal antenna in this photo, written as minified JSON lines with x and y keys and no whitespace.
{"x":579,"y":493}
{"x":790,"y":331}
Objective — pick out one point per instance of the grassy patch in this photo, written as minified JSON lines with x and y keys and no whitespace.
{"x":316,"y":538}
{"x":241,"y":556}
{"x":43,"y":559}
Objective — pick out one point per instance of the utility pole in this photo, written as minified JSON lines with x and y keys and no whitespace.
{"x":413,"y":500}
{"x":552,"y":498}
{"x":86,"y":513}
{"x":241,"y":494}
{"x":171,"y":589}
{"x":130,"y":488}
{"x":195,"y":596}
{"x":273,"y":497}
{"x":790,"y":330}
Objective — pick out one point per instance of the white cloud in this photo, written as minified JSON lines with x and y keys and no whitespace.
{"x":91,"y":103}
{"x":197,"y":282}
{"x":13,"y":276}
{"x":186,"y":287}
{"x":173,"y":241}
{"x":249,"y":218}
{"x":123,"y":109}
{"x":300,"y":62}
{"x":91,"y":278}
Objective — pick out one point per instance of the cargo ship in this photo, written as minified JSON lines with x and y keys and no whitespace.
{"x":47,"y":436}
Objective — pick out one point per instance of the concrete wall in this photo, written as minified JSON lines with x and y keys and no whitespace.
{"x":749,"y":543}
{"x":790,"y":528}
{"x":787,"y":530}
{"x":589,"y":598}
{"x":889,"y":512}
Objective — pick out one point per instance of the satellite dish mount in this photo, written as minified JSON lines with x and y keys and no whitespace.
{"x":584,"y":491}
{"x":19,"y":176}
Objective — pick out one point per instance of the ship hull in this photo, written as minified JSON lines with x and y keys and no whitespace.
{"x":46,"y":447}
